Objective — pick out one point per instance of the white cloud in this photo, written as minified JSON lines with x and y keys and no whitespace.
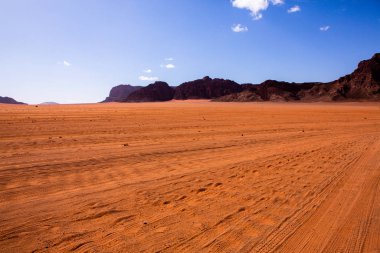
{"x":255,"y":6}
{"x":148,"y":78}
{"x":148,"y":71}
{"x":238,"y":28}
{"x":295,"y":8}
{"x":169,"y":59}
{"x":169,"y":66}
{"x":324,"y":28}
{"x":64,"y":63}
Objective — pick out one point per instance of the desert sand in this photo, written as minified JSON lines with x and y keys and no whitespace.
{"x":192,"y":176}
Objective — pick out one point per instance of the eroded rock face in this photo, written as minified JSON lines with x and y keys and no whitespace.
{"x":158,"y":91}
{"x":244,"y":96}
{"x":8,"y":100}
{"x":269,"y":90}
{"x":274,"y":90}
{"x":206,"y":88}
{"x":362,"y":84}
{"x":121,"y":92}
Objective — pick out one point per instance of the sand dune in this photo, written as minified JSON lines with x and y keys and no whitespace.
{"x":190,"y":177}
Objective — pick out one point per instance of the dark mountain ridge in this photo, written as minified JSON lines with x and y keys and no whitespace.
{"x":361,"y":85}
{"x":158,"y":91}
{"x":8,"y":100}
{"x":206,"y":88}
{"x":121,"y":92}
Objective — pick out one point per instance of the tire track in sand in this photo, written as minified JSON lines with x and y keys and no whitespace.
{"x":342,"y":223}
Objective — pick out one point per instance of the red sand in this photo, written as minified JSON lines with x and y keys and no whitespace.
{"x":190,"y":177}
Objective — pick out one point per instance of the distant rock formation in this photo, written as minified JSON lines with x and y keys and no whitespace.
{"x":362,"y":85}
{"x":269,"y":90}
{"x":121,"y":92}
{"x":8,"y":100}
{"x":206,"y":88}
{"x":158,"y":91}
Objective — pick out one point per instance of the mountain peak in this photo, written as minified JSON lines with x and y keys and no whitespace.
{"x":361,"y":84}
{"x":8,"y":100}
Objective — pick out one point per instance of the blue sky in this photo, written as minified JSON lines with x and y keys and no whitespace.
{"x":72,"y":51}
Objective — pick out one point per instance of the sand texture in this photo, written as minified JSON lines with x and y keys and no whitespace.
{"x":191,"y":176}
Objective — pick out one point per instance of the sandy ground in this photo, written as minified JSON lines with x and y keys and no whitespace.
{"x":190,"y":177}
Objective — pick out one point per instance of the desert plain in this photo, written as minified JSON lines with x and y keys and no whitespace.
{"x":192,"y":176}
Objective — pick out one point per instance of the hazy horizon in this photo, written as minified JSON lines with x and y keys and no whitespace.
{"x":70,"y":51}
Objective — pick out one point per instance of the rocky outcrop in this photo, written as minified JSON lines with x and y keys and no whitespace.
{"x":8,"y":100}
{"x":158,"y":91}
{"x":244,"y":96}
{"x":362,"y":84}
{"x":121,"y":92}
{"x":206,"y":88}
{"x":269,"y":90}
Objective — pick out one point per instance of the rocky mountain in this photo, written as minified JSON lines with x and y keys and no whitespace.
{"x":269,"y":90}
{"x":206,"y":88}
{"x":8,"y":100}
{"x":121,"y":92}
{"x":158,"y":91}
{"x":362,"y":84}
